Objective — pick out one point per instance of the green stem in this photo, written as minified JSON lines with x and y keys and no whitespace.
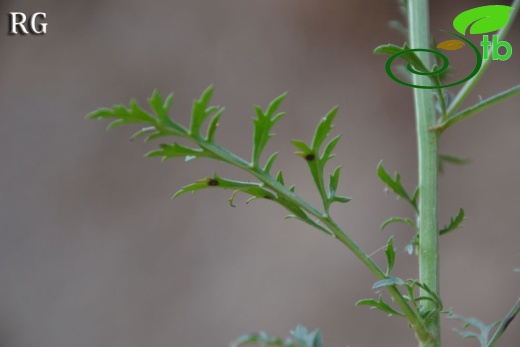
{"x":418,"y":19}
{"x":415,"y":321}
{"x":505,"y":323}
{"x":472,"y":110}
{"x":468,"y":87}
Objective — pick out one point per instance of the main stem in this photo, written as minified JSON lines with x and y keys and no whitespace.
{"x":418,"y":21}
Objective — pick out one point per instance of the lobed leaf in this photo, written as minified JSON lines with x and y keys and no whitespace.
{"x":161,"y":107}
{"x":415,"y":197}
{"x":254,"y":189}
{"x":390,"y":255}
{"x":317,"y":162}
{"x":389,"y":281}
{"x":201,"y":111}
{"x":142,"y":132}
{"x":300,"y":337}
{"x":434,"y":297}
{"x":167,"y":151}
{"x":398,"y":220}
{"x":454,"y":223}
{"x":327,"y":152}
{"x":159,"y":126}
{"x":133,"y":114}
{"x":263,"y":339}
{"x":450,"y":159}
{"x":213,"y":125}
{"x":395,"y":184}
{"x":323,"y":129}
{"x":483,"y":330}
{"x":269,"y":163}
{"x":306,"y":338}
{"x":399,"y":27}
{"x":380,"y":305}
{"x":262,"y":126}
{"x":409,"y":57}
{"x":333,"y":186}
{"x":304,"y":149}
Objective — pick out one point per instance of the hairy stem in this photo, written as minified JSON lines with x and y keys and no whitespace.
{"x":418,"y":19}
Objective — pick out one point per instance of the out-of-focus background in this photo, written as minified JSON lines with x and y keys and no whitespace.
{"x":94,"y":253}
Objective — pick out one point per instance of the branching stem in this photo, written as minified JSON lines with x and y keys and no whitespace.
{"x":472,"y":110}
{"x":416,"y":322}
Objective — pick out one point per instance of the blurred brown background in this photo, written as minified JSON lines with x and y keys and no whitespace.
{"x":94,"y":253}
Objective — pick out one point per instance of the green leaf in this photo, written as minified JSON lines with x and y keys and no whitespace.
{"x":263,"y":124}
{"x":307,"y":339}
{"x":451,"y":160}
{"x":341,"y":199}
{"x":323,"y":129}
{"x":254,"y":189}
{"x":483,"y":19}
{"x":175,"y":150}
{"x":143,"y":131}
{"x":213,"y":125}
{"x":263,"y":339}
{"x":279,"y":178}
{"x":165,"y":126}
{"x":301,"y":337}
{"x":390,"y":255}
{"x":403,"y":8}
{"x":398,"y":220}
{"x":409,"y":57}
{"x":394,"y":184}
{"x":380,"y":305}
{"x":134,"y":114}
{"x":399,"y":27}
{"x":304,"y":149}
{"x":484,"y":330}
{"x":333,"y":186}
{"x":161,"y":107}
{"x":201,"y":110}
{"x":390,"y":281}
{"x":162,"y":124}
{"x":327,"y":152}
{"x":410,"y":288}
{"x":454,"y":223}
{"x":434,"y":297}
{"x":270,"y":162}
{"x":334,"y":181}
{"x":415,"y":197}
{"x":317,"y":162}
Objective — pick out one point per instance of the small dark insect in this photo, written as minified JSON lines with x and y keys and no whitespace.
{"x":309,"y":157}
{"x":268,"y":197}
{"x":212,"y":182}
